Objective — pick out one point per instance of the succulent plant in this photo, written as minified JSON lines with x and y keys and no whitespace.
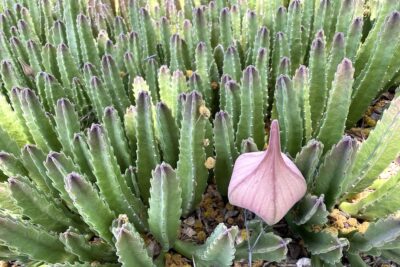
{"x":116,"y":114}
{"x":79,"y":191}
{"x":343,"y":186}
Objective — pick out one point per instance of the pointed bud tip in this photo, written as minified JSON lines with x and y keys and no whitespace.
{"x":49,"y":78}
{"x":164,"y":167}
{"x":95,"y":129}
{"x":274,"y":137}
{"x":285,"y":61}
{"x":395,"y":16}
{"x":338,"y":39}
{"x":67,"y":234}
{"x":178,"y":74}
{"x":262,"y":52}
{"x":161,"y":106}
{"x":225,"y":11}
{"x":107,"y":59}
{"x":198,"y":11}
{"x":95,"y":81}
{"x":195,"y":94}
{"x":58,"y":23}
{"x":12,"y":181}
{"x":393,"y":20}
{"x":182,"y":97}
{"x":232,"y":86}
{"x":164,"y":20}
{"x":231,"y":49}
{"x":142,"y":95}
{"x":122,"y":38}
{"x":302,"y":71}
{"x":280,"y":36}
{"x":143,"y":10}
{"x":201,"y":47}
{"x":320,"y":34}
{"x":225,"y":78}
{"x":263,"y":31}
{"x":48,"y":46}
{"x":15,"y":91}
{"x":88,"y":66}
{"x":345,"y":68}
{"x":128,"y":56}
{"x":358,"y":22}
{"x":164,"y":69}
{"x":53,"y":156}
{"x":318,"y":45}
{"x":249,"y":142}
{"x":347,"y":140}
{"x":3,"y":155}
{"x":22,"y":24}
{"x":28,"y":93}
{"x":187,"y":24}
{"x":221,"y":115}
{"x":133,"y":35}
{"x":194,"y":77}
{"x":102,"y":34}
{"x":314,"y":144}
{"x":131,"y":109}
{"x":63,"y":102}
{"x":15,"y":40}
{"x":250,"y":71}
{"x":18,"y":7}
{"x":73,"y":178}
{"x":28,"y":148}
{"x":175,"y":38}
{"x":77,"y":137}
{"x":347,"y":64}
{"x":131,"y":170}
{"x":109,"y":111}
{"x":251,"y":14}
{"x":31,"y":44}
{"x":62,"y":47}
{"x":6,"y":64}
{"x":294,"y":5}
{"x":119,"y":19}
{"x":42,"y":75}
{"x":81,"y":18}
{"x":283,"y":81}
{"x":281,"y":10}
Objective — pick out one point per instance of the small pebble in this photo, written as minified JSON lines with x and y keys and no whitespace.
{"x":303,"y":262}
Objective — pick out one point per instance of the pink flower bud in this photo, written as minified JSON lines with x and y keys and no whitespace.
{"x":267,"y":183}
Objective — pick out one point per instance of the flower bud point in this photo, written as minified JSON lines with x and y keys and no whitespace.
{"x":267,"y":183}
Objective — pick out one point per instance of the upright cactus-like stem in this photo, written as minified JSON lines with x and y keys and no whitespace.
{"x":294,"y":34}
{"x":251,"y":118}
{"x":377,"y":64}
{"x":67,"y":124}
{"x":190,"y":168}
{"x":169,"y":139}
{"x":318,"y":85}
{"x":225,"y":150}
{"x":337,"y":108}
{"x":292,"y":126}
{"x":165,"y":199}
